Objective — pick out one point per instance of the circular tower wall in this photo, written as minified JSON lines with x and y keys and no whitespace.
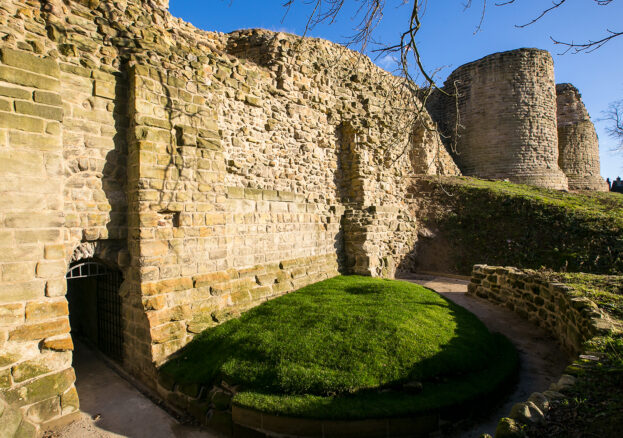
{"x":507,"y":108}
{"x":578,"y":146}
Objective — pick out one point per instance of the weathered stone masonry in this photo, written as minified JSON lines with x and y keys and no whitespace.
{"x":512,"y":124}
{"x":578,"y":145}
{"x":214,"y":171}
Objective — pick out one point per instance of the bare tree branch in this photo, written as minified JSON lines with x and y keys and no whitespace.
{"x":614,"y":114}
{"x":588,"y":46}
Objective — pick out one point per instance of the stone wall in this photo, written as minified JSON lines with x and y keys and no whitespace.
{"x":571,"y":318}
{"x":578,"y":144}
{"x":506,"y":123}
{"x":567,"y":315}
{"x":215,"y":171}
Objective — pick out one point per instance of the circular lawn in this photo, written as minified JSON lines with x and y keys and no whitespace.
{"x":350,"y":348}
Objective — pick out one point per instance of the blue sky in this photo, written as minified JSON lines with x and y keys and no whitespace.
{"x":447,"y":39}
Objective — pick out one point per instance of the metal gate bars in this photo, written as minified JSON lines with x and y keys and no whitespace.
{"x":109,"y":321}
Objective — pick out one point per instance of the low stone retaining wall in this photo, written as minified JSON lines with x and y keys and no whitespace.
{"x":570,"y":317}
{"x":556,"y":307}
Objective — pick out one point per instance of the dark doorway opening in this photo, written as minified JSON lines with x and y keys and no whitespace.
{"x":95,"y":306}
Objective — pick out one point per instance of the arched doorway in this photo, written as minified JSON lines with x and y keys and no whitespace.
{"x":95,"y":306}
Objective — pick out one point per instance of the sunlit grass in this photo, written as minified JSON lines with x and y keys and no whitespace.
{"x":344,"y":347}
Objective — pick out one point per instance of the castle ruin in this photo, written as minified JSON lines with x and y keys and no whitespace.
{"x":191,"y":175}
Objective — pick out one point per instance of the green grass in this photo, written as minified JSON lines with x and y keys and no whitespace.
{"x":604,"y":290}
{"x":343,"y":348}
{"x":500,"y":223}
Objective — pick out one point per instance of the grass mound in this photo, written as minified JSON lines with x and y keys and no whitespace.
{"x":346,"y":348}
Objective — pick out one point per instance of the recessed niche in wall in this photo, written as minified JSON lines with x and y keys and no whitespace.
{"x":167,"y":218}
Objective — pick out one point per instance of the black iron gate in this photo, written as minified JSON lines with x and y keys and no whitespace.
{"x":109,"y":321}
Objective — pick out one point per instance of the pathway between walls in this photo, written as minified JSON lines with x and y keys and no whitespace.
{"x":113,"y":408}
{"x":542,"y":359}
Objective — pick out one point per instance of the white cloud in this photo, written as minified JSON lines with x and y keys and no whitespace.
{"x":388,"y":62}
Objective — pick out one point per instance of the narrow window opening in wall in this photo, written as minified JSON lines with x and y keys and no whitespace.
{"x":95,"y":307}
{"x":170,"y":219}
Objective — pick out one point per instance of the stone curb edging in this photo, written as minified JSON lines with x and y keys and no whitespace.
{"x":573,"y":319}
{"x":273,"y":425}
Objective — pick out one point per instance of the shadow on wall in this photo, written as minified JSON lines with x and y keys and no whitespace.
{"x":114,"y":176}
{"x":350,"y":194}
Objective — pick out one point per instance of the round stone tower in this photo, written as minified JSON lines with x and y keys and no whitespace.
{"x":507,"y":118}
{"x":578,"y":146}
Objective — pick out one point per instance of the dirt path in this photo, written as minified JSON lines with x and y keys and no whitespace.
{"x":113,"y":408}
{"x":542,"y":360}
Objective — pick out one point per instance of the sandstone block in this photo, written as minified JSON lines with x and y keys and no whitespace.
{"x":10,"y":421}
{"x":235,"y":192}
{"x":58,"y":343}
{"x":44,"y":410}
{"x":155,"y":303}
{"x":104,"y":89}
{"x":5,"y":380}
{"x":22,"y":123}
{"x":31,"y":332}
{"x":48,"y":98}
{"x":51,"y":269}
{"x":508,"y":428}
{"x":55,"y":288}
{"x":11,"y":314}
{"x":527,"y":413}
{"x":8,"y":359}
{"x":27,"y":61}
{"x":25,"y":291}
{"x":29,"y":220}
{"x":29,"y":370}
{"x":37,"y":311}
{"x":154,"y":248}
{"x":69,"y":401}
{"x":253,"y":101}
{"x":37,"y":235}
{"x":210,"y":279}
{"x":13,"y":272}
{"x":5,"y":105}
{"x":15,"y":92}
{"x":41,"y":389}
{"x":27,"y":79}
{"x":165,"y":286}
{"x":53,"y":252}
{"x":26,"y":430}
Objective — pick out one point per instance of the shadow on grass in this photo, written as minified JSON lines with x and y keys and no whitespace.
{"x":472,"y":366}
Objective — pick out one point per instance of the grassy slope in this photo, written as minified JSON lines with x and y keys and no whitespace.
{"x":501,"y":223}
{"x":325,"y":350}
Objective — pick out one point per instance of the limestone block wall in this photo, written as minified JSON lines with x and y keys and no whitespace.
{"x":569,"y":317}
{"x":578,"y":144}
{"x":506,"y":118}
